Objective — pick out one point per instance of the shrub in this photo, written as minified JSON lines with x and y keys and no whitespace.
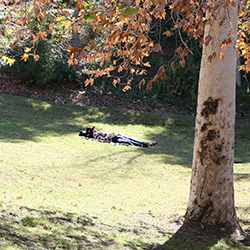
{"x":183,"y":81}
{"x":51,"y":69}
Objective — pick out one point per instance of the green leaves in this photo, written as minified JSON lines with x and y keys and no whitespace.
{"x":128,"y":12}
{"x":89,"y":17}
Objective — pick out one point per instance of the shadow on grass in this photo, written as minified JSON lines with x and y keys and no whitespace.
{"x":41,"y":229}
{"x":241,"y":176}
{"x":28,"y":228}
{"x":28,"y":119}
{"x":195,"y":236}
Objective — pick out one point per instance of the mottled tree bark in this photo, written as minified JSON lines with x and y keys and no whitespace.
{"x":212,"y":191}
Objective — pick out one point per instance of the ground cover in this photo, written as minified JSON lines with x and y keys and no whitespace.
{"x":58,"y":191}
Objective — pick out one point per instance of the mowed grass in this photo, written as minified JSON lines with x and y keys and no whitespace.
{"x":59,"y":191}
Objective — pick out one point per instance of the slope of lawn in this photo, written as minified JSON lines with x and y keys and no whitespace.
{"x":59,"y":191}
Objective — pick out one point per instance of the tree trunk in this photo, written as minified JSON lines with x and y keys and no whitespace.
{"x":75,"y":33}
{"x":211,"y":192}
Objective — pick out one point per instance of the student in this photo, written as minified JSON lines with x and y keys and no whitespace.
{"x":92,"y":133}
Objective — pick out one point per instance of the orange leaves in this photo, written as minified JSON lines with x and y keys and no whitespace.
{"x":36,"y":57}
{"x":120,"y":69}
{"x":157,"y":77}
{"x":157,"y":48}
{"x":221,"y":55}
{"x":142,"y":82}
{"x":183,"y":53}
{"x":172,"y":65}
{"x":143,"y":72}
{"x":94,"y":46}
{"x":114,"y":82}
{"x":147,"y":64}
{"x":127,"y":87}
{"x":226,"y":42}
{"x":122,"y":36}
{"x":22,"y":21}
{"x":51,"y":26}
{"x":182,"y":63}
{"x":79,"y":6}
{"x":35,"y":39}
{"x":179,"y":50}
{"x":214,"y":55}
{"x":72,"y":52}
{"x":14,"y":45}
{"x":112,"y":37}
{"x":116,"y":37}
{"x":27,"y":50}
{"x":89,"y":81}
{"x":41,"y":35}
{"x":25,"y":57}
{"x":82,"y":54}
{"x":208,"y":39}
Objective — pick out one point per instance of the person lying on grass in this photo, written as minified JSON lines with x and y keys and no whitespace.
{"x":92,"y":133}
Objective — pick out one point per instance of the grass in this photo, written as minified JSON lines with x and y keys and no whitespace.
{"x":58,"y":191}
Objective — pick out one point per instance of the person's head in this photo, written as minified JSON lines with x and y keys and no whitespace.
{"x":93,"y":129}
{"x":90,"y":131}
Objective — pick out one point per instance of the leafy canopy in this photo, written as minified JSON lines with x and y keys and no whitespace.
{"x":125,"y":26}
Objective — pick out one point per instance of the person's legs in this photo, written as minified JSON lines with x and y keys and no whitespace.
{"x":129,"y":141}
{"x":141,"y":143}
{"x":137,"y":143}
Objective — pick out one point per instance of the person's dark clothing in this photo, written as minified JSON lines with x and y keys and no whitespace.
{"x":128,"y":141}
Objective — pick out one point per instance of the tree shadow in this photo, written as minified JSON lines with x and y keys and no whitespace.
{"x":29,"y":228}
{"x":30,"y":119}
{"x":241,"y":176}
{"x":43,"y":229}
{"x":196,"y":236}
{"x":177,"y":141}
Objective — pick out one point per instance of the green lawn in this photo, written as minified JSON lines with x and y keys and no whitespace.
{"x":59,"y":191}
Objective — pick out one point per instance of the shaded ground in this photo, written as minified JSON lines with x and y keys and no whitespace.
{"x":71,"y":95}
{"x":198,"y":236}
{"x":28,"y":228}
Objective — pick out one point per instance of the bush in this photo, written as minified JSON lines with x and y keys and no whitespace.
{"x":178,"y":87}
{"x":183,"y":81}
{"x":51,"y":69}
